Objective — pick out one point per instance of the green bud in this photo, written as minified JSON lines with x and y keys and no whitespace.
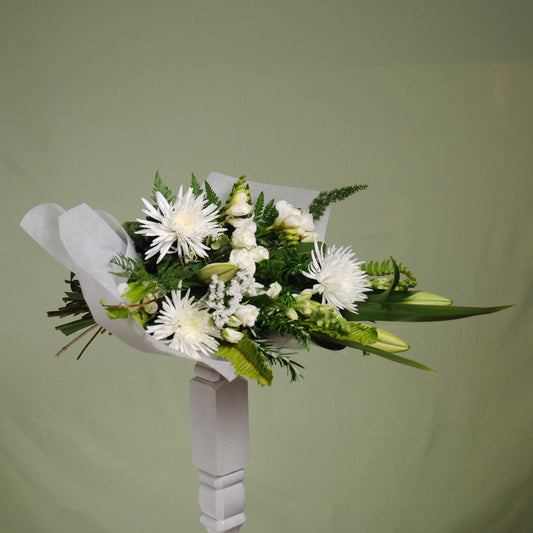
{"x":224,"y":271}
{"x":389,"y":343}
{"x":291,"y":314}
{"x":426,"y":298}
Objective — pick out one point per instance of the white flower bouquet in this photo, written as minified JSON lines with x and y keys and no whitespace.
{"x":227,"y":273}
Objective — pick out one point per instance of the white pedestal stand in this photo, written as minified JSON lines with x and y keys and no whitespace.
{"x":220,"y":447}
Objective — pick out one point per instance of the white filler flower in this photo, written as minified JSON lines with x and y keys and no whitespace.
{"x":180,"y":227}
{"x":339,"y":277}
{"x":185,"y":325}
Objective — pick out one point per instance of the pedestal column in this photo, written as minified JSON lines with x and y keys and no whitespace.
{"x":220,"y":447}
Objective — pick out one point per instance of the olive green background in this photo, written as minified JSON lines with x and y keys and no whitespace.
{"x":429,"y":103}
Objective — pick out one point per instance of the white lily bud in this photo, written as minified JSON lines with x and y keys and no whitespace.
{"x":232,"y":335}
{"x":274,"y":290}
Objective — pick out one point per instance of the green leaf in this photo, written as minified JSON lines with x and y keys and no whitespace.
{"x":141,"y":317}
{"x":138,"y":290}
{"x":304,"y":248}
{"x":270,"y":213}
{"x":75,"y":325}
{"x":159,"y":186}
{"x":75,"y":296}
{"x":376,"y":351}
{"x":211,"y":196}
{"x":117,"y":311}
{"x":247,"y":360}
{"x":410,"y":297}
{"x":397,"y":358}
{"x":195,"y":186}
{"x":405,"y":312}
{"x":395,"y":279}
{"x":361,"y":333}
{"x":259,"y":204}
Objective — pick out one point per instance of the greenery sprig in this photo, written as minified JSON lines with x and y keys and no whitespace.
{"x":379,"y":273}
{"x":318,"y":206}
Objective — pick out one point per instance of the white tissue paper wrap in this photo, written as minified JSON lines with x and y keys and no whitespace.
{"x":85,"y":240}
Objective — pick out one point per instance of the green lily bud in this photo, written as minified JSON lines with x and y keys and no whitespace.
{"x":389,"y":342}
{"x":224,"y":272}
{"x":291,"y":314}
{"x":426,"y":298}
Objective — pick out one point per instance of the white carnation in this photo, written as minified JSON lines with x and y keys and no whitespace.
{"x":259,"y":253}
{"x":244,"y":235}
{"x":243,"y":259}
{"x":247,"y":314}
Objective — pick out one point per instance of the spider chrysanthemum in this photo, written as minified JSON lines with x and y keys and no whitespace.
{"x":338,"y":275}
{"x":185,"y":325}
{"x":180,"y":227}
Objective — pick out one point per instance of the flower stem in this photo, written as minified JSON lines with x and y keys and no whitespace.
{"x":65,"y":348}
{"x":90,"y":340}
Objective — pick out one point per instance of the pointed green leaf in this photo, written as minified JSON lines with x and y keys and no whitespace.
{"x":409,"y":297}
{"x":371,"y":349}
{"x":75,"y":325}
{"x":403,"y":312}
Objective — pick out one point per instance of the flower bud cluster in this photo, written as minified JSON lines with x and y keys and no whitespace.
{"x":325,"y":316}
{"x":297,"y":225}
{"x":239,"y":203}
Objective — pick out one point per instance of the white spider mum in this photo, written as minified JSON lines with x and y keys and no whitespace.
{"x":180,"y":227}
{"x":339,"y":277}
{"x":185,"y":325}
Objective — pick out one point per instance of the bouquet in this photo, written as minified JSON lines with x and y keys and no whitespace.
{"x":231,"y":273}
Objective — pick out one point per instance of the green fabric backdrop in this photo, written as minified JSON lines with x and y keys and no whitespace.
{"x":429,"y":103}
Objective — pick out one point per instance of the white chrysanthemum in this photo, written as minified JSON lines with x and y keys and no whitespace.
{"x":339,"y":277}
{"x":180,"y":227}
{"x":185,"y":325}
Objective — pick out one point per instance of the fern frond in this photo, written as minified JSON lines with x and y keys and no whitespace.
{"x":159,"y":186}
{"x":259,"y":204}
{"x":211,"y":196}
{"x":195,"y":186}
{"x":380,"y":270}
{"x":269,"y":213}
{"x":247,"y":360}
